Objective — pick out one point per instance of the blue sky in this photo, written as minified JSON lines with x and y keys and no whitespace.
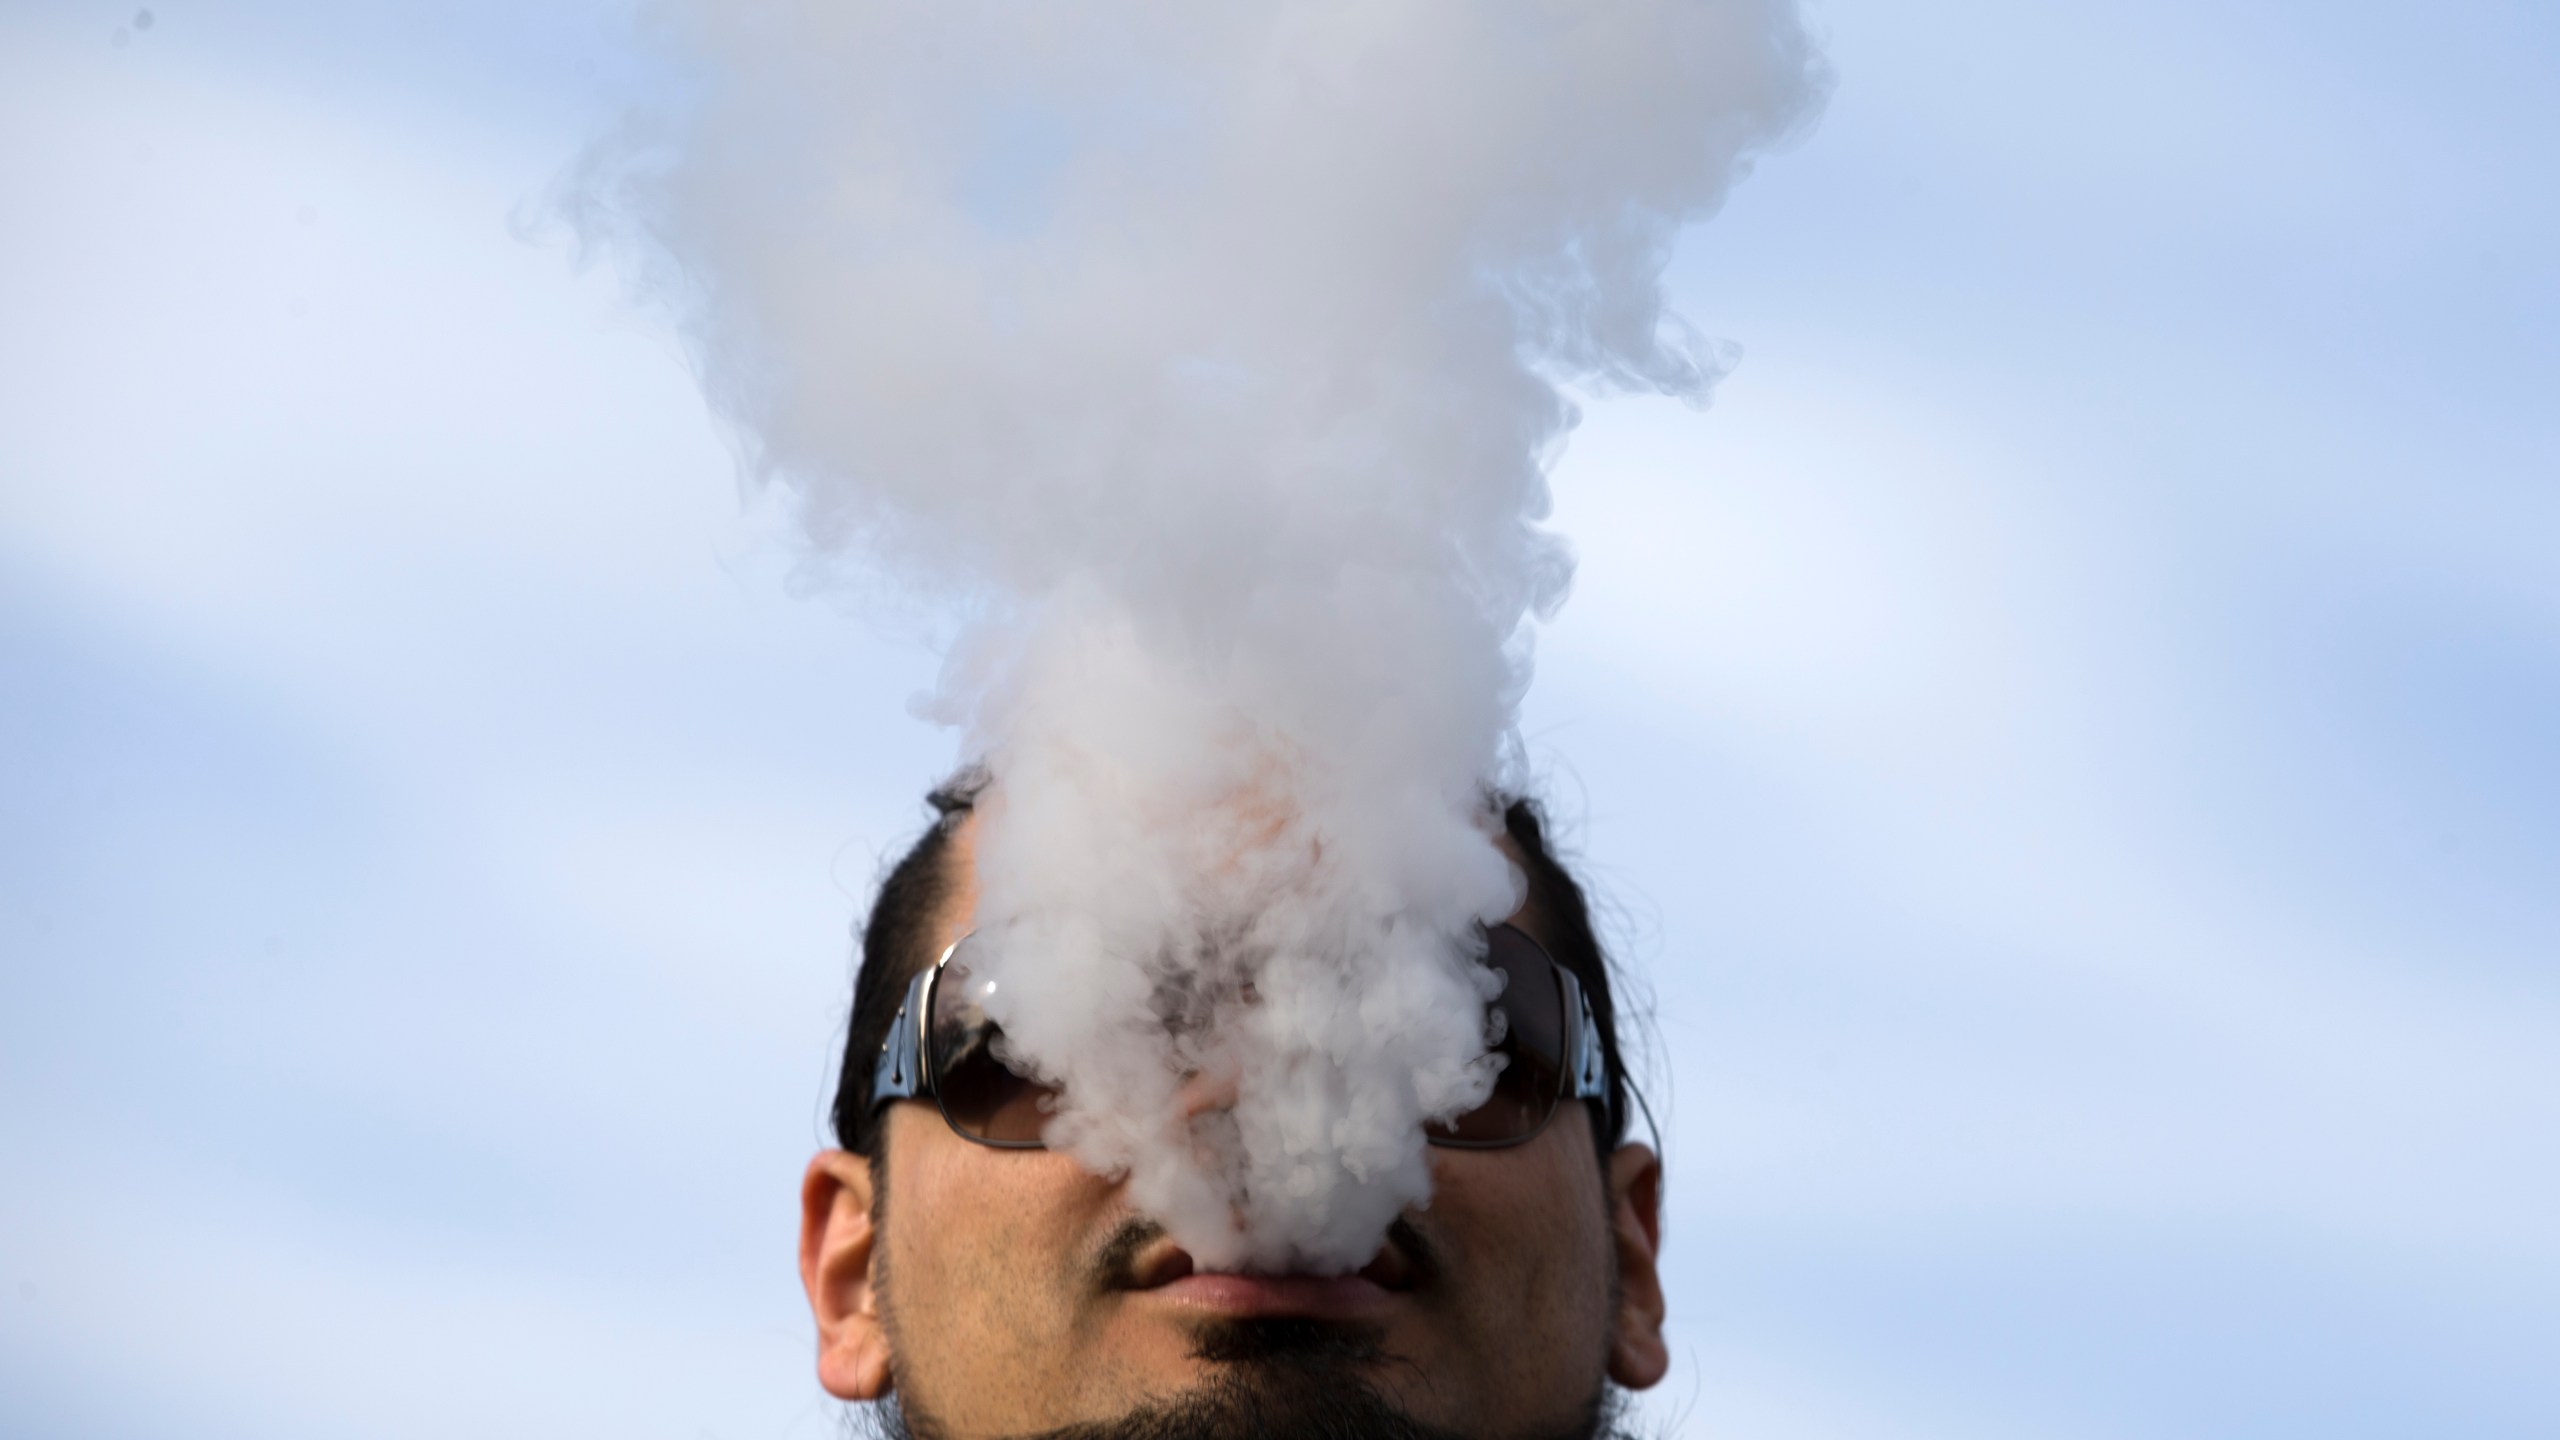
{"x":2072,"y":737}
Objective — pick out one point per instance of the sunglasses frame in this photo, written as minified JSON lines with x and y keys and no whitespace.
{"x":904,"y":1068}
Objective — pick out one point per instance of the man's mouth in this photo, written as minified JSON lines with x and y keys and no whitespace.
{"x":1165,"y":1272}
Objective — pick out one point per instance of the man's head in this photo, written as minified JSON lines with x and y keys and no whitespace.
{"x":1010,"y":1292}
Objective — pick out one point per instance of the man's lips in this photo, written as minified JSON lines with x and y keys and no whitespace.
{"x":1164,"y":1271}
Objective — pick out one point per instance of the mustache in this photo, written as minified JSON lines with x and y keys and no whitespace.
{"x":1115,"y":1261}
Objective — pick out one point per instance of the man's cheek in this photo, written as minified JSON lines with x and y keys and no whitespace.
{"x":990,"y":1246}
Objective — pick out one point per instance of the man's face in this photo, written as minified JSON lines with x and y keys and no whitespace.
{"x":1011,"y":1292}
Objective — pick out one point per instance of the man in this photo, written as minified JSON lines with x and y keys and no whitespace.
{"x":1009,"y":1292}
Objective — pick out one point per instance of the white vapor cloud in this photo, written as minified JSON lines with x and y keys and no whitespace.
{"x":1209,"y":361}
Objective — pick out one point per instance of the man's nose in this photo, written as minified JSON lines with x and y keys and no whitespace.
{"x":1206,"y":1091}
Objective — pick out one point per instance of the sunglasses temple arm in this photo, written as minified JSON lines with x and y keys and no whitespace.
{"x":898,"y":1073}
{"x":1588,"y":1064}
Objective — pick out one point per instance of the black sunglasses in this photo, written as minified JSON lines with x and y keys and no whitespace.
{"x":943,"y":1047}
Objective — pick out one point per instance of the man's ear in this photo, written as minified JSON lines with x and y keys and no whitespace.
{"x":836,"y":1255}
{"x":1637,"y":1356}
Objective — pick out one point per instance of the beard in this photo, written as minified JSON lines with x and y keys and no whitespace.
{"x":1279,"y":1380}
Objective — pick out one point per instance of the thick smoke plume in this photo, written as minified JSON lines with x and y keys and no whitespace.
{"x":1204,"y":362}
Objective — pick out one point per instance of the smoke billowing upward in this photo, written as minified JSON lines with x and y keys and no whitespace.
{"x":1205,"y":361}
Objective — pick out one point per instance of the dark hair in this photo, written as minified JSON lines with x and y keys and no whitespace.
{"x":897,"y":942}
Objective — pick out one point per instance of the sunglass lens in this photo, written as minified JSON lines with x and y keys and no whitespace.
{"x":1530,"y":1011}
{"x":981,"y":1096}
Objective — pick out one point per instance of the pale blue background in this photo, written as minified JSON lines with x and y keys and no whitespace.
{"x":2073,"y":736}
